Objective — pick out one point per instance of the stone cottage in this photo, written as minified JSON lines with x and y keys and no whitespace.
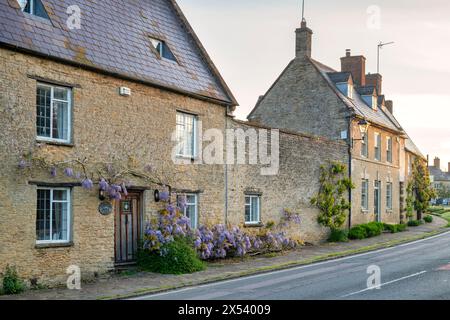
{"x":347,"y":105}
{"x":125,"y":91}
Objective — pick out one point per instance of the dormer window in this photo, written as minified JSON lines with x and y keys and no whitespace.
{"x":34,"y":7}
{"x":162,"y":49}
{"x":346,"y":89}
{"x":371,"y":101}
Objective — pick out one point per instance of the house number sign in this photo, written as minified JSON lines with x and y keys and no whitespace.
{"x":105,"y":208}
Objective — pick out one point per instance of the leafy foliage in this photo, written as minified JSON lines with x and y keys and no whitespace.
{"x":414,"y":223}
{"x":420,"y":187}
{"x":176,"y":257}
{"x":331,"y":200}
{"x":12,"y":284}
{"x":395,"y":228}
{"x":428,"y":219}
{"x":338,"y":236}
{"x":357,"y":233}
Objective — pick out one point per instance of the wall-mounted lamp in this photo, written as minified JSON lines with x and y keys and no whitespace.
{"x":363,"y":128}
{"x":156,"y":195}
{"x":101,"y":195}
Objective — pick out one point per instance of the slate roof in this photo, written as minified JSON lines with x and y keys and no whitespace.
{"x":411,"y":147}
{"x":438,"y":174}
{"x":357,"y":104}
{"x":114,"y":37}
{"x":339,"y":77}
{"x":366,"y":91}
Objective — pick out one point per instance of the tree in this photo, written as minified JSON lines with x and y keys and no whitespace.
{"x":331,"y":199}
{"x":420,"y":187}
{"x":443,"y":192}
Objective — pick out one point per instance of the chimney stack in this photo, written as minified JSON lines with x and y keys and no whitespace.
{"x":437,"y":163}
{"x":356,"y":65}
{"x":389,"y":104}
{"x":303,"y":46}
{"x":375,"y":80}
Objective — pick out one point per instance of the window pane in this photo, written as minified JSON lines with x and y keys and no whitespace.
{"x":23,"y":4}
{"x":185,"y":134}
{"x":60,"y":120}
{"x":43,"y":100}
{"x":247,"y":213}
{"x":59,"y":195}
{"x":59,"y":223}
{"x":255,"y":207}
{"x":60,"y":94}
{"x":43,"y":215}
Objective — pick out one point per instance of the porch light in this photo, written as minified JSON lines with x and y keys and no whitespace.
{"x":363,"y":126}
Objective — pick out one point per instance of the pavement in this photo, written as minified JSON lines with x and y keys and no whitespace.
{"x":307,"y":273}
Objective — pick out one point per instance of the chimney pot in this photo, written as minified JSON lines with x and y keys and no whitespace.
{"x":348,"y":52}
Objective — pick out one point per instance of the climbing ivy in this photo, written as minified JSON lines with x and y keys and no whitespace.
{"x":420,"y":187}
{"x":331,"y":199}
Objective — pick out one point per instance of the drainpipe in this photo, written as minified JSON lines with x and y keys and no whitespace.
{"x":350,"y":147}
{"x":226,"y":166}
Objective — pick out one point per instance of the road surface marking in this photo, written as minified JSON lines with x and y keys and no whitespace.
{"x":385,"y":284}
{"x":286,"y":270}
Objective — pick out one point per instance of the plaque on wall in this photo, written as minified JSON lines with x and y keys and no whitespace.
{"x":105,"y":208}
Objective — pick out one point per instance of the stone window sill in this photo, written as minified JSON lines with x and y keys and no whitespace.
{"x":254,"y":225}
{"x":53,"y":245}
{"x":56,"y":143}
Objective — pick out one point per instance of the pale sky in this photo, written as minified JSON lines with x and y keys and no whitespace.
{"x":252,"y":41}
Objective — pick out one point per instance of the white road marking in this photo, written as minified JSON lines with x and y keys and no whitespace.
{"x":385,"y":284}
{"x":286,"y":270}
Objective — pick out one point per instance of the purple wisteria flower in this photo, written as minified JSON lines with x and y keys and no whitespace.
{"x":68,"y":172}
{"x":87,"y":184}
{"x":53,"y":172}
{"x":103,"y":185}
{"x":164,"y":196}
{"x":22,"y":164}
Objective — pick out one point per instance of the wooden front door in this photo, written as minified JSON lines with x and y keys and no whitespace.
{"x":127,"y":227}
{"x":377,"y":201}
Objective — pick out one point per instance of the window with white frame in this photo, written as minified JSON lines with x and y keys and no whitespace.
{"x":364,"y":145}
{"x":389,"y":196}
{"x":186,"y":135}
{"x":191,"y":208}
{"x":53,"y":215}
{"x":365,"y":195}
{"x":377,"y":146}
{"x":53,"y":113}
{"x":389,"y":149}
{"x":252,"y":209}
{"x":34,"y":7}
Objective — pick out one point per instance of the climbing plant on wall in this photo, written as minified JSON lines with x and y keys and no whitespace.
{"x":420,"y":186}
{"x":331,"y":199}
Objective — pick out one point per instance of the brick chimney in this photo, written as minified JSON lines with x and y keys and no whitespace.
{"x":303,"y":46}
{"x":389,"y":104}
{"x":437,"y":163}
{"x":375,"y":80}
{"x":356,"y":65}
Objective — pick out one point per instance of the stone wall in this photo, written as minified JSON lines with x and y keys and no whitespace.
{"x":106,"y":126}
{"x":301,"y":100}
{"x":297,"y":181}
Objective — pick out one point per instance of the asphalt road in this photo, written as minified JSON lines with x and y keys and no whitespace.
{"x":418,"y":270}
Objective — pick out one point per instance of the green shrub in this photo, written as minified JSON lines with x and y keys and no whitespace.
{"x":12,"y":284}
{"x":414,"y":223}
{"x":428,"y":219}
{"x":357,"y":233}
{"x":394,"y":228}
{"x":338,"y":236}
{"x":178,"y":258}
{"x":373,"y":229}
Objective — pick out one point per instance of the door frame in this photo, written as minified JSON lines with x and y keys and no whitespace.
{"x":377,"y":189}
{"x":140,"y":228}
